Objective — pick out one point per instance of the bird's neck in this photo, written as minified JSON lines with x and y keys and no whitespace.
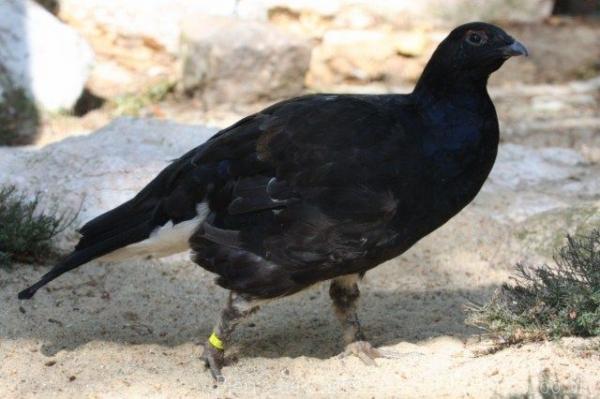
{"x":462,"y":89}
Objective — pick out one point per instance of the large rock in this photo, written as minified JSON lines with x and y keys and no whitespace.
{"x":41,"y":55}
{"x":526,"y":181}
{"x":97,"y":172}
{"x":226,"y":60}
{"x":556,"y":115}
{"x":522,"y":167}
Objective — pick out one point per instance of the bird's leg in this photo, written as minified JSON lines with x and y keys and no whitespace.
{"x":344,"y":292}
{"x":238,"y":307}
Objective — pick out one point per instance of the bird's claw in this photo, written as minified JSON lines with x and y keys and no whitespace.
{"x":364,"y":351}
{"x":213,"y":360}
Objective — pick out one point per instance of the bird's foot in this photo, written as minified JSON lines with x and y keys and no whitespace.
{"x":214,"y":359}
{"x":364,"y":351}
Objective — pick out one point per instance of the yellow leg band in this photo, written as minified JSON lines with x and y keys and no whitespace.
{"x":216,"y":341}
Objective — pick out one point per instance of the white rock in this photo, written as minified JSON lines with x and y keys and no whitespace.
{"x":42,"y":55}
{"x":518,"y":166}
{"x":156,"y":19}
{"x":526,"y":204}
{"x":99,"y":171}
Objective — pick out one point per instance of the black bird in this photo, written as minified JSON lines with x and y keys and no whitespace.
{"x":319,"y":187}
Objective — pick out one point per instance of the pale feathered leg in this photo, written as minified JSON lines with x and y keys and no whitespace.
{"x":238,"y":307}
{"x":345,"y":293}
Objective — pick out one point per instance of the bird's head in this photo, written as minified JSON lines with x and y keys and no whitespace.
{"x":473,"y":51}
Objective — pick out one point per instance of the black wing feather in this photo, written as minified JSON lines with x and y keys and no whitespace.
{"x":302,"y":213}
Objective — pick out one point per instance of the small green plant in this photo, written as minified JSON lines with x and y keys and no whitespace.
{"x":18,"y":118}
{"x":133,"y":104}
{"x":26,"y":232}
{"x":548,"y":302}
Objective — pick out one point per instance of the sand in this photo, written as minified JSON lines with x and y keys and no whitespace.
{"x":133,"y":330}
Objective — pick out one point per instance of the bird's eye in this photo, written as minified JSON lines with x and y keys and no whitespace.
{"x":475,"y":39}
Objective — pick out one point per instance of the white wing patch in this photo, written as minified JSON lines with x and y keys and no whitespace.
{"x":165,"y":240}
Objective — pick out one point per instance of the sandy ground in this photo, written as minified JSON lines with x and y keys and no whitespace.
{"x":133,"y":330}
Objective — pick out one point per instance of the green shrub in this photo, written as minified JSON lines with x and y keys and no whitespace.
{"x":548,"y":302}
{"x":26,"y":232}
{"x":18,"y":118}
{"x":134,"y":104}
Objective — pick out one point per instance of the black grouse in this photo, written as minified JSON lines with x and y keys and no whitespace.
{"x":319,"y":187}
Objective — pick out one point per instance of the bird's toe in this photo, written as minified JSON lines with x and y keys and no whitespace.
{"x":364,"y":351}
{"x":214,"y":360}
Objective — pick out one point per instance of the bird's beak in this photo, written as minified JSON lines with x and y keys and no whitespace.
{"x":514,"y":49}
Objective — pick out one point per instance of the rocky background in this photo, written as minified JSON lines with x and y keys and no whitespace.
{"x":96,"y":96}
{"x":72,"y":67}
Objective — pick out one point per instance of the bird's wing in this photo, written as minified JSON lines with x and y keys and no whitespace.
{"x":300,"y":144}
{"x":306,"y":190}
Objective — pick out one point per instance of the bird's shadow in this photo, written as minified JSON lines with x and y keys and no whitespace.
{"x":171,"y":305}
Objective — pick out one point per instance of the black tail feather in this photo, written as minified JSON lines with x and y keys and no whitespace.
{"x":130,"y":222}
{"x":71,"y":262}
{"x":114,"y":218}
{"x":111,"y":226}
{"x":80,"y":257}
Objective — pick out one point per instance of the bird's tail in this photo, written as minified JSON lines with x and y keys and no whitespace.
{"x":129,"y":223}
{"x":84,"y":255}
{"x":72,"y":261}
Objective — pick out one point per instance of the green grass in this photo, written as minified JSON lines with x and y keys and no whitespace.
{"x":18,"y":118}
{"x":548,"y":302}
{"x":26,"y":231}
{"x":134,"y":104}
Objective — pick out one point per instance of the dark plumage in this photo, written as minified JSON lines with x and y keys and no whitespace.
{"x":321,"y":186}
